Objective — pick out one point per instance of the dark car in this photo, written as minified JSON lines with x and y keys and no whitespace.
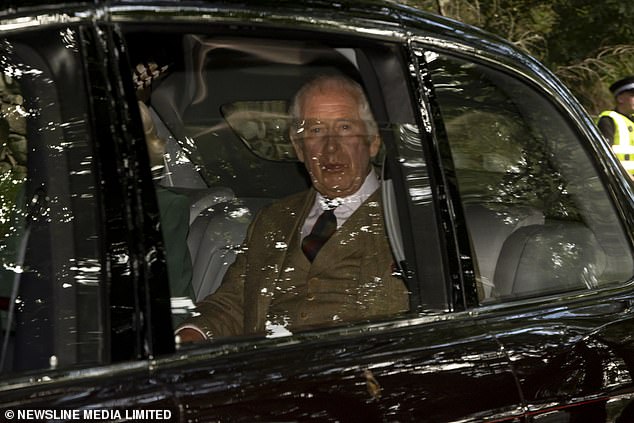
{"x":509,"y":219}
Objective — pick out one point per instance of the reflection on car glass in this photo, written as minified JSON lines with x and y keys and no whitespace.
{"x":13,"y":173}
{"x":263,"y":126}
{"x":535,"y":211}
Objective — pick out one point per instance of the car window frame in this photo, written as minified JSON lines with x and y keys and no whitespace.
{"x":421,"y":265}
{"x":457,"y":277}
{"x":140,"y":288}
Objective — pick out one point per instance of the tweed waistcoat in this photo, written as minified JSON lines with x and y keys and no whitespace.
{"x":350,"y":279}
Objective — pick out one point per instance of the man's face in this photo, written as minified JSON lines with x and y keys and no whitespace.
{"x":625,"y":102}
{"x":334,"y":144}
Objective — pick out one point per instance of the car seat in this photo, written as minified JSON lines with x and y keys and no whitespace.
{"x":556,"y":256}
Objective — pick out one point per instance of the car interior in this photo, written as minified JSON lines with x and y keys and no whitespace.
{"x":221,"y":103}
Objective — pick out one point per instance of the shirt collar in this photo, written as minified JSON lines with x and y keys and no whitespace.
{"x":352,"y":201}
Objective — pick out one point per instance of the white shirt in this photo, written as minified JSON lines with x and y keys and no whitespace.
{"x":347,"y":205}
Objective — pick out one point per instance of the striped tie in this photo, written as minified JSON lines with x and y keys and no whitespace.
{"x":325,"y":226}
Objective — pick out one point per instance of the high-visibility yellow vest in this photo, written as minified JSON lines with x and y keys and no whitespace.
{"x":623,"y":142}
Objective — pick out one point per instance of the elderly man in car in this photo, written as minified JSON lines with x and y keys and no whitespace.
{"x":321,"y":256}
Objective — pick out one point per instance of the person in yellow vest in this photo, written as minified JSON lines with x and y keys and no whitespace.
{"x":617,"y":125}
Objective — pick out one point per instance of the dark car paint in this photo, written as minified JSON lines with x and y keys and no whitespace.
{"x":369,"y":375}
{"x":594,"y":366}
{"x":565,"y":356}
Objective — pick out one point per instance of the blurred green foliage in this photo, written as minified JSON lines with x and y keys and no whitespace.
{"x":587,"y":44}
{"x":13,"y":157}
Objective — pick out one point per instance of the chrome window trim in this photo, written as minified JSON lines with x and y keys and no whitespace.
{"x":538,"y":305}
{"x":22,"y":23}
{"x":45,"y":377}
{"x":346,"y":23}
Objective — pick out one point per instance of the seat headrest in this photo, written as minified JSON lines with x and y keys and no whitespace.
{"x":552,"y":257}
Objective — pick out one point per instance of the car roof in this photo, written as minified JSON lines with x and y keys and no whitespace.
{"x":386,"y":12}
{"x":366,"y":18}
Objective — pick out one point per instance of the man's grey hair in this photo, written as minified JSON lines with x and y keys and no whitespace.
{"x":335,"y":83}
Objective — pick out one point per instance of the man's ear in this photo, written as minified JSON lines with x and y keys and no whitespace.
{"x":299,"y":152}
{"x":375,"y":145}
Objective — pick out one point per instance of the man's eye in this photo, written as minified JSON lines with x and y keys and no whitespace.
{"x":346,"y":127}
{"x":316,"y":130}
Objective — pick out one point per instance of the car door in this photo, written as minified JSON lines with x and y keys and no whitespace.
{"x":77,"y":252}
{"x":418,"y":366}
{"x":546,"y":211}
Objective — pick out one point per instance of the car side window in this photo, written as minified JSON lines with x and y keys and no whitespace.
{"x":221,"y":104}
{"x":538,"y":215}
{"x":50,"y":270}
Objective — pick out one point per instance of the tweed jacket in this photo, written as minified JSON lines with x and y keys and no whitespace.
{"x":272,"y":282}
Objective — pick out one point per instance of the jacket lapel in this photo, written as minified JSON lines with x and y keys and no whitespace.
{"x":297,"y":212}
{"x":285,"y":224}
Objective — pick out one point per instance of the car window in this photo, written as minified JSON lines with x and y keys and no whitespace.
{"x":221,"y":106}
{"x":50,"y":271}
{"x":537,"y":212}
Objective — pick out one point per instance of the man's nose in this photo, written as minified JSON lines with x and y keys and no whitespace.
{"x":330,"y":143}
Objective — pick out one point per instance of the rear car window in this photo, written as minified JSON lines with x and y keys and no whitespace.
{"x":538,"y":215}
{"x":51,"y":308}
{"x":220,"y":105}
